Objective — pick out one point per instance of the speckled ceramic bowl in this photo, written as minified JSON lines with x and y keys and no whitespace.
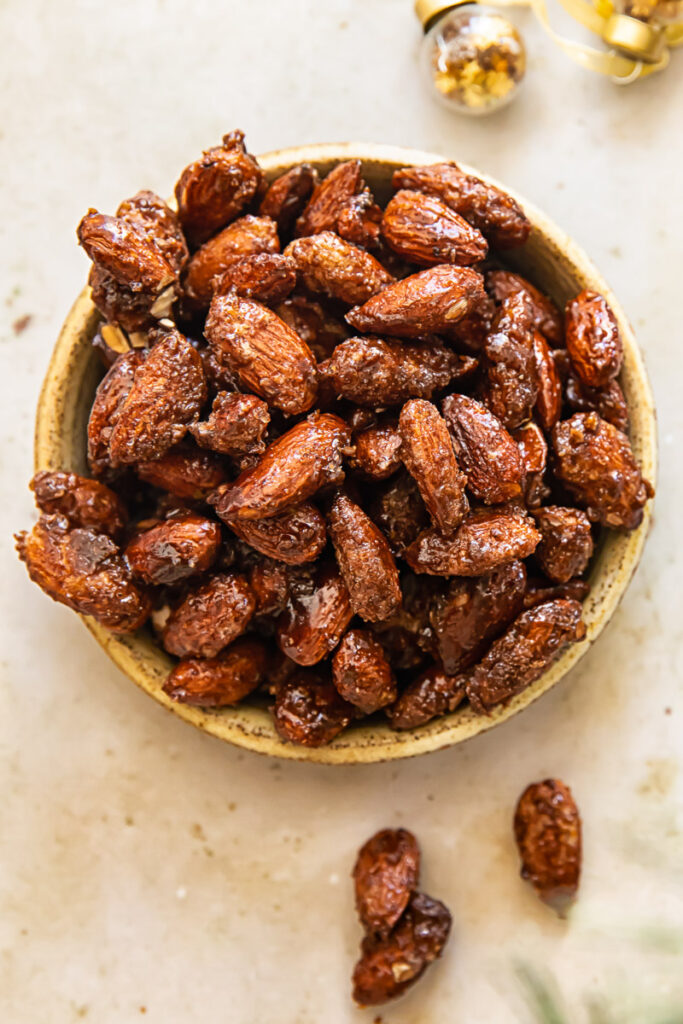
{"x":553,"y":262}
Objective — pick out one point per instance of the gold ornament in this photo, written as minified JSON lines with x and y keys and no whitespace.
{"x":472,"y":56}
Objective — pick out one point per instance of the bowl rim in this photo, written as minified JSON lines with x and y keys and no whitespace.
{"x":250,"y":727}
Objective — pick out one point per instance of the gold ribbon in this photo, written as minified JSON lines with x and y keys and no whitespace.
{"x":638,"y":48}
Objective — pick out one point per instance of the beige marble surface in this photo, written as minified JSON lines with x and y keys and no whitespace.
{"x":147,"y":870}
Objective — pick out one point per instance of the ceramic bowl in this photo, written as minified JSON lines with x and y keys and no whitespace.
{"x":554,"y":263}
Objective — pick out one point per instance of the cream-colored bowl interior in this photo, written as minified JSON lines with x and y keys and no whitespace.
{"x":554,"y":263}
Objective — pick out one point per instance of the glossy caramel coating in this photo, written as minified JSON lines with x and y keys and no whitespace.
{"x":219,"y":682}
{"x":314,"y":324}
{"x":301,"y":462}
{"x":566,"y":545}
{"x":512,"y":380}
{"x":85,"y":503}
{"x":593,"y":339}
{"x":209,"y":617}
{"x":167,"y":393}
{"x":247,"y":236}
{"x":185,"y":472}
{"x":486,"y":452}
{"x":85,"y":571}
{"x":545,"y":316}
{"x":427,"y":453}
{"x":329,"y":199}
{"x":365,"y":561}
{"x":533,"y":449}
{"x":361,"y":672}
{"x":377,"y":452}
{"x":175,"y":549}
{"x":295,"y":536}
{"x":267,"y":356}
{"x":316,"y":617}
{"x":399,"y":512}
{"x":385,"y":875}
{"x":109,"y":397}
{"x":595,"y":463}
{"x":265,"y":277}
{"x":483,"y":542}
{"x":288,"y":194}
{"x":236,"y":425}
{"x":216,"y":188}
{"x":495,"y":213}
{"x":423,"y":230}
{"x":372,"y":372}
{"x":327,"y":263}
{"x":609,"y":401}
{"x":547,"y":830}
{"x":523,"y":653}
{"x":433,"y":693}
{"x":388,"y":966}
{"x":309,"y":711}
{"x":473,"y":611}
{"x":549,"y":397}
{"x":425,"y":303}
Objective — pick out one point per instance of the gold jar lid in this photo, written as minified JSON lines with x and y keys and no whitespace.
{"x":429,"y":10}
{"x":641,"y":40}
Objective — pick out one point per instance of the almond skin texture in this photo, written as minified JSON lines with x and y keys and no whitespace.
{"x":388,"y":966}
{"x":122,"y":250}
{"x":267,"y":356}
{"x":299,"y":463}
{"x":385,"y":875}
{"x":210,"y":617}
{"x":287,"y":195}
{"x":427,"y":453}
{"x":215,"y":189}
{"x":595,"y":463}
{"x":377,"y":452}
{"x":432,"y":693}
{"x":365,"y":561}
{"x":330,"y":198}
{"x":545,"y":316}
{"x":247,"y":236}
{"x":593,"y":339}
{"x":485,"y":451}
{"x":168,"y":391}
{"x":483,"y":542}
{"x":609,"y":402}
{"x":474,"y":611}
{"x":316,"y":617}
{"x":566,"y":543}
{"x":512,"y":380}
{"x":265,"y":277}
{"x":523,"y":653}
{"x":492,"y":211}
{"x":185,"y":472}
{"x":85,"y":503}
{"x":321,"y":331}
{"x":326,"y":263}
{"x":218,"y":682}
{"x":111,"y":393}
{"x":361,"y":672}
{"x":175,"y":549}
{"x":85,"y":571}
{"x":547,"y":829}
{"x":372,"y":372}
{"x":549,"y":399}
{"x":424,"y":303}
{"x":309,"y":711}
{"x":534,"y":451}
{"x":423,"y":230}
{"x":236,"y":425}
{"x":359,"y":221}
{"x":160,"y":224}
{"x":295,"y":536}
